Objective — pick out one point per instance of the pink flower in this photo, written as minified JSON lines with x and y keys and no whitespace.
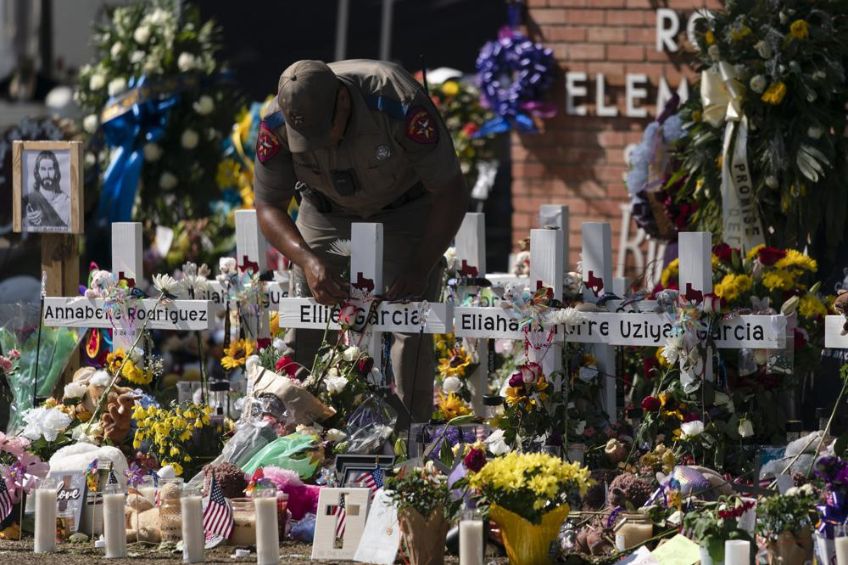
{"x":347,"y":314}
{"x":5,"y":364}
{"x":530,"y":372}
{"x":15,"y":445}
{"x":14,"y":354}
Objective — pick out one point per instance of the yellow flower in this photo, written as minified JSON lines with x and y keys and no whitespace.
{"x":661,"y":358}
{"x":774,"y":94}
{"x":227,"y":174}
{"x":51,"y":403}
{"x":670,"y":272}
{"x":455,"y":364}
{"x":114,"y":360}
{"x":275,"y":324}
{"x":797,"y":259}
{"x":811,"y":307}
{"x":237,"y":353}
{"x":709,"y":37}
{"x":799,"y":29}
{"x":452,"y":406}
{"x":178,"y":469}
{"x":136,"y":375}
{"x":733,"y":286}
{"x":754,"y":252}
{"x":740,"y":33}
{"x":696,"y":117}
{"x":778,"y":280}
{"x":450,"y":88}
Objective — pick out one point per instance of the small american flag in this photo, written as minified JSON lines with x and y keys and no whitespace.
{"x":218,"y":515}
{"x":5,"y":500}
{"x":372,"y":480}
{"x":341,"y":515}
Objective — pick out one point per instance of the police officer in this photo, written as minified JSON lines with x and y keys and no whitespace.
{"x":363,"y":142}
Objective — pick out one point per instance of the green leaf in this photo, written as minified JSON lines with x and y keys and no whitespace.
{"x":840,"y":448}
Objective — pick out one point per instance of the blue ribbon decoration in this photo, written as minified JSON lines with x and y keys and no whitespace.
{"x":130,"y":120}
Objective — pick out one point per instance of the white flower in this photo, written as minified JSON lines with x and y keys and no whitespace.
{"x":792,"y":491}
{"x":99,"y":378}
{"x":761,"y":356}
{"x":450,"y":258}
{"x":137,"y":57}
{"x":278,"y":344}
{"x":189,"y":139}
{"x":136,"y":354}
{"x":496,"y":443}
{"x":96,"y":82}
{"x":758,"y":83}
{"x":152,"y":152}
{"x":341,"y":247}
{"x":673,"y":349}
{"x":569,"y":317}
{"x":713,"y":52}
{"x":166,"y":284}
{"x":763,"y":49}
{"x":580,"y":427}
{"x":45,"y":422}
{"x":811,"y":96}
{"x":335,"y":435}
{"x":227,"y":265}
{"x":117,"y":49}
{"x":90,"y":159}
{"x":451,"y":385}
{"x":815,"y":132}
{"x":251,"y":363}
{"x":158,"y":16}
{"x":89,"y":123}
{"x":142,"y":34}
{"x":746,"y":427}
{"x":75,"y":389}
{"x":692,"y":429}
{"x":819,"y":75}
{"x":335,"y":384}
{"x":772,"y":182}
{"x":186,"y":61}
{"x":807,"y":490}
{"x":168,"y":181}
{"x":204,"y":106}
{"x":351,"y":354}
{"x":117,"y":86}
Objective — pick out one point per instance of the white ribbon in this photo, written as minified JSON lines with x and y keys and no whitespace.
{"x":722,"y":98}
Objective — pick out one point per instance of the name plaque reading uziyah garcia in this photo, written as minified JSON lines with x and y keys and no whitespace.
{"x":91,"y":313}
{"x":494,"y":322}
{"x":652,"y":330}
{"x":385,"y":317}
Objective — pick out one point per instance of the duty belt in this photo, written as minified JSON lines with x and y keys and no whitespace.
{"x":325,"y":205}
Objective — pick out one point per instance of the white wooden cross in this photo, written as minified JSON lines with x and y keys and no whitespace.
{"x":366,"y":274}
{"x":251,"y":247}
{"x":335,"y":505}
{"x":126,"y":321}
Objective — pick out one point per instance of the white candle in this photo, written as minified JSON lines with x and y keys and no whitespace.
{"x":149,"y":493}
{"x":842,"y":551}
{"x":115,"y":525}
{"x":45,"y":519}
{"x":737,"y":552}
{"x":192,"y":516}
{"x":267,"y":534}
{"x":470,"y":542}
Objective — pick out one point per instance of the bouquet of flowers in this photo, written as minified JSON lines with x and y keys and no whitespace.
{"x":168,"y":432}
{"x":455,"y":365}
{"x":529,"y":484}
{"x":717,"y":523}
{"x":785,"y":523}
{"x":422,"y":489}
{"x":775,"y":72}
{"x":166,"y":60}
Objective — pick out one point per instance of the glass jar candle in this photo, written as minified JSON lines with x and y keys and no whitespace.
{"x":244,"y":522}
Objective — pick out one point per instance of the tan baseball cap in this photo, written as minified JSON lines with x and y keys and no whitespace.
{"x":307,"y":96}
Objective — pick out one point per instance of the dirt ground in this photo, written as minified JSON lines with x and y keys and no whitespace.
{"x":14,"y":553}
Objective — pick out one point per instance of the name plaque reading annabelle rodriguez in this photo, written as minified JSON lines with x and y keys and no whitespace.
{"x":83,"y":312}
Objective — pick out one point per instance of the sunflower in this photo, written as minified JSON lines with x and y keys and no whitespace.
{"x":114,"y":360}
{"x":451,"y":406}
{"x":455,"y":364}
{"x":237,"y":354}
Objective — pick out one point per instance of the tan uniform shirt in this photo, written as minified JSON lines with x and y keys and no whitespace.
{"x":394,"y":140}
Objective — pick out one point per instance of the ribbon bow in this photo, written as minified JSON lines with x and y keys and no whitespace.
{"x":136,"y":117}
{"x":721,"y":94}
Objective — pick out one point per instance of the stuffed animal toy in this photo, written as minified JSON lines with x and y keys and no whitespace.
{"x":841,"y":307}
{"x":303,"y":498}
{"x":117,"y":417}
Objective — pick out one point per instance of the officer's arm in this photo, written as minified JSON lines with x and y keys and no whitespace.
{"x":273,"y":185}
{"x":430,"y":151}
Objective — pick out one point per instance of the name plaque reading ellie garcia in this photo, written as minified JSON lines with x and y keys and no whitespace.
{"x":652,"y":330}
{"x":389,"y":317}
{"x":83,"y":312}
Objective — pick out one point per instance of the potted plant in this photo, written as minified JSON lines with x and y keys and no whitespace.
{"x":715,"y":524}
{"x":528,"y":497}
{"x":785,"y":522}
{"x":425,"y":509}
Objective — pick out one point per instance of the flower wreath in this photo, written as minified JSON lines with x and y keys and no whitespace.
{"x":514,"y":74}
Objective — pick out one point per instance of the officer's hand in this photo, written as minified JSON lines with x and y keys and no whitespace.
{"x":408,"y":286}
{"x":326,"y":287}
{"x":33,"y":216}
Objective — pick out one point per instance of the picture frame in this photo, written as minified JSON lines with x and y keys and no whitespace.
{"x":350,"y":466}
{"x":47,"y":187}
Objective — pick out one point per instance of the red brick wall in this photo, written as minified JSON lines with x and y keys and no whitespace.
{"x":579,"y":160}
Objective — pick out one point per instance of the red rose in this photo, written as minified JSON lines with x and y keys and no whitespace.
{"x":516,"y":380}
{"x":263,"y":342}
{"x":286,"y":365}
{"x":364,"y":365}
{"x":724,"y":252}
{"x":470,"y":129}
{"x":768,"y":256}
{"x":650,"y":404}
{"x":474,"y":460}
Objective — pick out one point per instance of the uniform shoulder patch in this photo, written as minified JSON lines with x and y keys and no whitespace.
{"x":267,"y":144}
{"x":421,"y":126}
